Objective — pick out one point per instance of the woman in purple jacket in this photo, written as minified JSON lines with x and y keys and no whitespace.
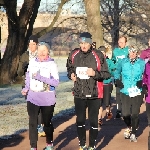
{"x":146,"y":89}
{"x":41,"y":80}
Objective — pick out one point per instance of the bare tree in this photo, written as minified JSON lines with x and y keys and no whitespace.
{"x":94,"y":20}
{"x":19,"y":28}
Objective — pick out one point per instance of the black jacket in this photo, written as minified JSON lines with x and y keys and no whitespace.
{"x":84,"y":88}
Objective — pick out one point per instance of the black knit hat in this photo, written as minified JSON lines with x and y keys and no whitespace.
{"x":33,"y":38}
{"x":102,"y":48}
{"x":86,"y":37}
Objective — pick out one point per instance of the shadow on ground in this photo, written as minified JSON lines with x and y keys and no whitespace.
{"x":12,"y":141}
{"x":112,"y":127}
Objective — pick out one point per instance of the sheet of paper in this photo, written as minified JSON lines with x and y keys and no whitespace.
{"x":82,"y":72}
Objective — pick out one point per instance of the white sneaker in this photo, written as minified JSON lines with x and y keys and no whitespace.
{"x":133,"y":138}
{"x":127,"y":133}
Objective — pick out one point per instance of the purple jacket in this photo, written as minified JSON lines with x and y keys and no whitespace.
{"x":145,"y":54}
{"x":146,"y":80}
{"x":43,"y":98}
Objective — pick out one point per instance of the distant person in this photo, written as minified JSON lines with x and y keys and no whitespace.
{"x":108,"y":87}
{"x":22,"y":69}
{"x":27,"y":55}
{"x":118,"y":54}
{"x":41,"y":80}
{"x":146,"y":90}
{"x":87,"y":68}
{"x":130,"y":70}
{"x":145,"y":54}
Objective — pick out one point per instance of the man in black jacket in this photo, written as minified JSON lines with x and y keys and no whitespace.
{"x":87,"y":68}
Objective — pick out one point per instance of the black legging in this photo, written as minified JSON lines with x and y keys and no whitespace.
{"x":118,"y":99}
{"x":47,"y":114}
{"x":131,"y":110}
{"x":93,"y":109}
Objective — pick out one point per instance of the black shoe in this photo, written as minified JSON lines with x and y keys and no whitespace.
{"x":118,"y":114}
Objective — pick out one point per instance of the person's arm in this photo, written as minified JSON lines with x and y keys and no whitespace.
{"x":23,"y":64}
{"x":27,"y":84}
{"x":112,"y":67}
{"x":143,"y":54}
{"x":117,"y":72}
{"x":70,"y":67}
{"x":145,"y":78}
{"x":113,"y":56}
{"x":103,"y":74}
{"x":53,"y":80}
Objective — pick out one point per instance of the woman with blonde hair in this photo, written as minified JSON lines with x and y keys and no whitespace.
{"x":41,"y":80}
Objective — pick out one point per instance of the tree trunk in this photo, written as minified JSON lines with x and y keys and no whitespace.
{"x":31,"y":23}
{"x":92,"y":9}
{"x":116,"y":23}
{"x":17,"y":27}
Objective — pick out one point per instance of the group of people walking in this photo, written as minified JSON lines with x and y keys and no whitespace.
{"x":94,"y":76}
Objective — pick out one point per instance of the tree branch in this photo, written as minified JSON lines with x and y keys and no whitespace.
{"x":46,"y":30}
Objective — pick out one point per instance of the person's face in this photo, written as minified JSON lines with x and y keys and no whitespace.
{"x":42,"y":52}
{"x":85,"y":46}
{"x":149,"y":42}
{"x":132,"y":55}
{"x":32,"y":46}
{"x":122,"y":42}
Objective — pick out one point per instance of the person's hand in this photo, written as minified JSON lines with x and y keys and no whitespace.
{"x":90,"y":72}
{"x":35,"y":74}
{"x":24,"y":92}
{"x":73,"y":77}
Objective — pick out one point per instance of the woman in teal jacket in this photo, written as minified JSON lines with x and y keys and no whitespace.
{"x":130,"y":71}
{"x":108,"y":87}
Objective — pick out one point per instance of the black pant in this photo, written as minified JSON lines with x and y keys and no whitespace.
{"x":107,"y":94}
{"x":93,"y":109}
{"x":47,"y":114}
{"x":131,"y":110}
{"x":118,"y":100}
{"x":148,"y":112}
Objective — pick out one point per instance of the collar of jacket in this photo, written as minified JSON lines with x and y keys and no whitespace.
{"x":132,"y":61}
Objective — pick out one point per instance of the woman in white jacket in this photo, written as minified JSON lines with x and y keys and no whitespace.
{"x":41,"y":80}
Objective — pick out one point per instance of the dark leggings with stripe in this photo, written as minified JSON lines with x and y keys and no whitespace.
{"x":93,"y":109}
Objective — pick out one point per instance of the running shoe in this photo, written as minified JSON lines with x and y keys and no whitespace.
{"x":83,"y":148}
{"x":133,"y":138}
{"x":41,"y":132}
{"x":127,"y":133}
{"x":49,"y":147}
{"x":91,"y":148}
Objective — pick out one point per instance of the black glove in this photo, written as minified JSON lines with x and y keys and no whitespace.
{"x":145,"y":90}
{"x":119,"y":84}
{"x":139,"y":84}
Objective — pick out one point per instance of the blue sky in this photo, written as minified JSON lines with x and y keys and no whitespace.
{"x":51,"y":4}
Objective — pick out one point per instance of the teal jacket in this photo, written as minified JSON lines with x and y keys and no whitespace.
{"x":119,"y":54}
{"x":111,"y":67}
{"x":130,"y":73}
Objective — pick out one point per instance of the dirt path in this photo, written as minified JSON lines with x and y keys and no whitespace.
{"x":65,"y":138}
